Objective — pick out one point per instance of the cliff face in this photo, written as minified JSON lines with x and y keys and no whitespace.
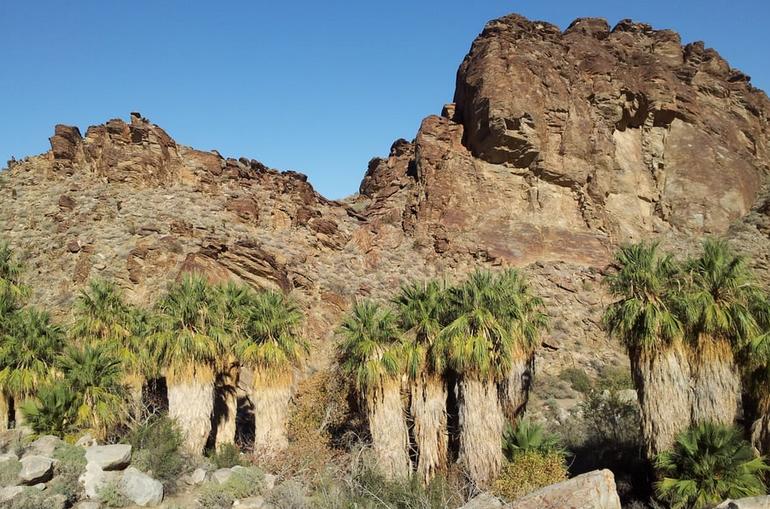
{"x":559,"y":146}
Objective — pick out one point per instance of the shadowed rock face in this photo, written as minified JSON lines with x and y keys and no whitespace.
{"x":558,"y":147}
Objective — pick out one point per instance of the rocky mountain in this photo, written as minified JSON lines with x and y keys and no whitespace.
{"x":559,"y":146}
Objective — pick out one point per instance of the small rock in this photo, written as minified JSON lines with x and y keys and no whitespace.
{"x":141,"y":489}
{"x":250,"y":503}
{"x":109,"y":457}
{"x":73,"y":246}
{"x":222,"y":475}
{"x":45,"y":445}
{"x":198,"y":476}
{"x":35,"y":469}
{"x":86,"y":440}
{"x":270,"y":481}
{"x":87,"y":504}
{"x":484,"y":501}
{"x":39,"y":486}
{"x":94,"y":478}
{"x":9,"y":493}
{"x":746,"y":503}
{"x":7,"y":457}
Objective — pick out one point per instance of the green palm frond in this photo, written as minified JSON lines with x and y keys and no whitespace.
{"x":28,"y":351}
{"x":708,"y":464}
{"x":647,"y":314}
{"x":371,"y":351}
{"x":528,"y":436}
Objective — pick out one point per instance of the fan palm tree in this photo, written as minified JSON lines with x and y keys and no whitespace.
{"x":103,"y":317}
{"x":422,"y":313}
{"x":756,"y":361}
{"x":480,"y":347}
{"x":371,"y":355}
{"x":53,"y":411}
{"x":93,"y":372}
{"x":645,"y":319}
{"x":708,"y":464}
{"x":272,"y":346}
{"x":522,"y":312}
{"x":11,"y":294}
{"x":721,"y":322}
{"x":27,"y":354}
{"x":190,"y":337}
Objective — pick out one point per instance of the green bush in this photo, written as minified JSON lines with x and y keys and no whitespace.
{"x":54,"y":412}
{"x":243,"y":483}
{"x":227,"y":456}
{"x":612,"y":378}
{"x":709,"y":463}
{"x":71,"y":462}
{"x":578,"y":379}
{"x":112,"y":496}
{"x":156,"y":446}
{"x":528,"y":437}
{"x":289,"y":495}
{"x":528,"y":472}
{"x":9,"y":471}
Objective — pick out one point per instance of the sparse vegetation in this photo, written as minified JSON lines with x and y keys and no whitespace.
{"x":156,"y":443}
{"x":528,"y":472}
{"x":244,"y":482}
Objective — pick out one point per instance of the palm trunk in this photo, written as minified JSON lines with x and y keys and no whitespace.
{"x":226,"y":424}
{"x":516,"y":387}
{"x":390,"y":436}
{"x":270,"y":396}
{"x":190,"y":403}
{"x":428,"y":406}
{"x":760,"y":434}
{"x":481,"y":429}
{"x":717,"y":384}
{"x":4,"y":409}
{"x":135,"y":386}
{"x":662,"y":382}
{"x":20,"y":421}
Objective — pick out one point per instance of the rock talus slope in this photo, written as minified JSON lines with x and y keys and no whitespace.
{"x":559,"y":145}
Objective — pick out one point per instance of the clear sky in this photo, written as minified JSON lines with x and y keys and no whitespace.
{"x":319,"y":87}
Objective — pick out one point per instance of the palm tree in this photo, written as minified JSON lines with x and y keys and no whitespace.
{"x":103,"y":317}
{"x":27,"y":354}
{"x":93,"y":372}
{"x":756,"y":361}
{"x":645,"y":319}
{"x":370,"y":353}
{"x":529,"y":436}
{"x":272,"y":346}
{"x":719,"y":316}
{"x":522,"y":312}
{"x":53,"y":411}
{"x":190,"y":337}
{"x":11,"y":294}
{"x":708,"y":464}
{"x":480,"y":347}
{"x":422,"y":313}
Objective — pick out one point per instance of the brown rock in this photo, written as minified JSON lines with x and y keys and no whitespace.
{"x":66,"y":202}
{"x":65,"y":141}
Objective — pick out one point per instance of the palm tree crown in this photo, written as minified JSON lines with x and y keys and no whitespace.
{"x":645,"y":317}
{"x":28,"y":351}
{"x":270,"y":333}
{"x":370,"y":346}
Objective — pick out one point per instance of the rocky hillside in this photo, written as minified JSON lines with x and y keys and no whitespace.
{"x":559,"y":146}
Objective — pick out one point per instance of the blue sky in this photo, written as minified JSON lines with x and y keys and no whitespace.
{"x":318,"y":87}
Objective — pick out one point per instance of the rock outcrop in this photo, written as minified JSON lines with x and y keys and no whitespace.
{"x":559,"y":146}
{"x":594,"y":490}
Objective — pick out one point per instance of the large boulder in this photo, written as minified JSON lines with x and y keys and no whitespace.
{"x":141,"y":489}
{"x":94,"y":479}
{"x":9,"y":493}
{"x":109,"y":457}
{"x":746,"y":503}
{"x":45,"y":445}
{"x":594,"y":490}
{"x":35,"y":469}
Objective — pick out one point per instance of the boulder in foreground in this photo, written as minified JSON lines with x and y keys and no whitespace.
{"x":594,"y":490}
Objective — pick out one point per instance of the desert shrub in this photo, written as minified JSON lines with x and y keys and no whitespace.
{"x":226,"y":456}
{"x":30,"y":498}
{"x":243,"y":483}
{"x":528,"y":472}
{"x":54,"y":412}
{"x":529,"y":436}
{"x":9,"y":471}
{"x":289,"y":495}
{"x":156,"y":444}
{"x":709,"y":463}
{"x":112,"y":496}
{"x":578,"y":379}
{"x":71,"y":462}
{"x":613,"y":378}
